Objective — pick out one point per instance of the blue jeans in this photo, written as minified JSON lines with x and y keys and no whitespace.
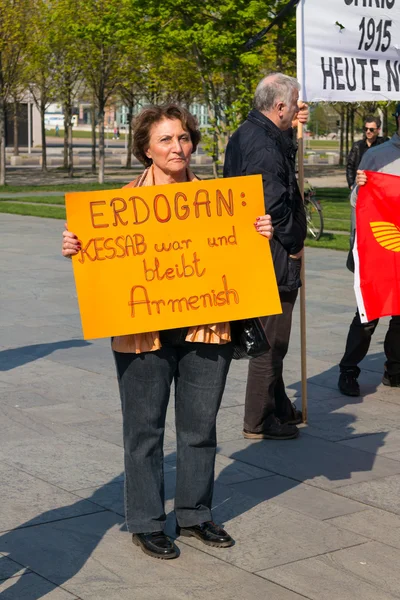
{"x":199,"y":372}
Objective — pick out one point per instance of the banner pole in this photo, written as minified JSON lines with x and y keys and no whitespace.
{"x":300,"y":138}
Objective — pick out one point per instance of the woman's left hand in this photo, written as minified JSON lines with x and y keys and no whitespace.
{"x":264,"y":226}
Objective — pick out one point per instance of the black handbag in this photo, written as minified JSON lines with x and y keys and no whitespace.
{"x":249,"y":339}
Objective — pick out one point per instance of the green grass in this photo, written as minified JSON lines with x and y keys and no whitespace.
{"x":336,"y":208}
{"x":37,"y":199}
{"x":51,"y":212}
{"x":330,"y":240}
{"x":317,"y":144}
{"x":336,"y":225}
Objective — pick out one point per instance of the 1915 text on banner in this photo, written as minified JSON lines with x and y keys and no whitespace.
{"x":349,"y":50}
{"x":170,"y":256}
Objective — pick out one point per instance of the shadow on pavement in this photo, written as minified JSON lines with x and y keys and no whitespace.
{"x":67,"y":554}
{"x":16,"y":357}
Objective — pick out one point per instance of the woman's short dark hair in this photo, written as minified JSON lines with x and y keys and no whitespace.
{"x":154,"y":114}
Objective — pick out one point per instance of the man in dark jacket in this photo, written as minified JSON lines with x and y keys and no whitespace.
{"x":262,"y":145}
{"x":371,"y":138}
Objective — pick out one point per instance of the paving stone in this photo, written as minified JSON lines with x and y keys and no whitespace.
{"x":305,"y":499}
{"x":314,"y":461}
{"x":23,"y":397}
{"x":268,"y":534}
{"x":71,"y":461}
{"x":32,"y":587}
{"x":383,"y":493}
{"x":332,"y":578}
{"x":92,"y":558}
{"x":28,"y":501}
{"x":16,"y":427}
{"x":60,"y":428}
{"x":12,"y":358}
{"x":109,"y":496}
{"x":228,"y":471}
{"x":67,"y":384}
{"x":9,"y":568}
{"x":374,"y":524}
{"x":379,"y":443}
{"x":108,"y":429}
{"x":67,"y":414}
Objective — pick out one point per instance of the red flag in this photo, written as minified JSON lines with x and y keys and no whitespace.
{"x":377,"y":247}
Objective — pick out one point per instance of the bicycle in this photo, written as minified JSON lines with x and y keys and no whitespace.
{"x":314,"y":216}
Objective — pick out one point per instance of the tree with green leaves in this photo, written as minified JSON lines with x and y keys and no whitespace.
{"x":68,"y":77}
{"x":40,"y":64}
{"x":100,"y":29}
{"x":214,"y":36}
{"x":14,"y":27}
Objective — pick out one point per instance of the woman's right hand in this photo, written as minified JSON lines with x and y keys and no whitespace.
{"x":71,"y":245}
{"x":361,"y":178}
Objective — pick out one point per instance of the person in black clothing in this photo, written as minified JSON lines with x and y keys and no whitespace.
{"x":371,"y":138}
{"x":263,"y":145}
{"x":385,"y":159}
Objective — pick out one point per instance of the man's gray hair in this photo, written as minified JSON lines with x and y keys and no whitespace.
{"x":274,"y":88}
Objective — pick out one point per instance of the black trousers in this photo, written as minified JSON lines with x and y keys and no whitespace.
{"x":265,"y":393}
{"x":199,"y":372}
{"x":359,"y":340}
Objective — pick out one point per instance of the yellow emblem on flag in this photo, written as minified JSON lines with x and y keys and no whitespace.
{"x":387,"y":235}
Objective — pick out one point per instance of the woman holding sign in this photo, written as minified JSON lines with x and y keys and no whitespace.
{"x":197,"y":359}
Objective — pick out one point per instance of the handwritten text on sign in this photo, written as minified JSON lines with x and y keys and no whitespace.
{"x":350,"y":49}
{"x":170,"y":256}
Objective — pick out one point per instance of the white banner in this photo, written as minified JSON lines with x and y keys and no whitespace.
{"x":348,"y":50}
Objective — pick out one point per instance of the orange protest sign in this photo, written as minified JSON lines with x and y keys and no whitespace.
{"x":168,"y":256}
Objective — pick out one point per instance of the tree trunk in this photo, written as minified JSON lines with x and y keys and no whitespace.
{"x":93,"y":112}
{"x":43,"y":128}
{"x":70,"y":147}
{"x":101,"y":144}
{"x":341,"y":147}
{"x":385,"y":121}
{"x":279,"y":47}
{"x":66,"y":132}
{"x":2,"y":137}
{"x":16,"y":149}
{"x":2,"y":129}
{"x":352,"y":126}
{"x":347,"y":130}
{"x":130,"y":137}
{"x":215,"y":155}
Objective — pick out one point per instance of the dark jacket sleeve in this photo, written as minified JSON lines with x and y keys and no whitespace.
{"x":288,"y":219}
{"x":352,"y":165}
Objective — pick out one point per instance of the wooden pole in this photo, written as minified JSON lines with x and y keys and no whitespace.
{"x":303,"y":335}
{"x":300,"y":137}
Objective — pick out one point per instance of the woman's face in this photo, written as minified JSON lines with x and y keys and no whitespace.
{"x":170,"y":146}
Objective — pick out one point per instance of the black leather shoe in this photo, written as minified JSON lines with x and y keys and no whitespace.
{"x":275,"y":431}
{"x":156,"y":544}
{"x":391,"y":380}
{"x":348,"y":384}
{"x":209,"y":533}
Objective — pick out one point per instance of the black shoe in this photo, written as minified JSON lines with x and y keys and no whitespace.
{"x":295,"y":419}
{"x":156,"y":544}
{"x":391,"y":380}
{"x":348,"y":384}
{"x":209,"y":533}
{"x":275,"y":431}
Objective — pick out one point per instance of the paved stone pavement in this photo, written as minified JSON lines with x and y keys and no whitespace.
{"x":317,"y":517}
